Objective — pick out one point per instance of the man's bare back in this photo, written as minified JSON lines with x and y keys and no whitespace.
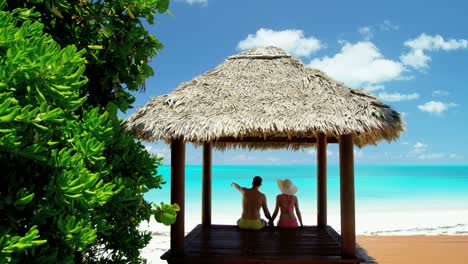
{"x":252,"y":201}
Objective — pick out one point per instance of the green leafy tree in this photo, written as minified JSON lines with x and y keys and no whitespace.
{"x":72,"y":179}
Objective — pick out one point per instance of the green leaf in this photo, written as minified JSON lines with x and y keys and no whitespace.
{"x":95,"y":47}
{"x":163,"y":5}
{"x":166,"y":214}
{"x":25,"y":200}
{"x":10,"y":116}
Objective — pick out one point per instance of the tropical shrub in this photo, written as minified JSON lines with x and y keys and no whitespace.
{"x":72,"y":180}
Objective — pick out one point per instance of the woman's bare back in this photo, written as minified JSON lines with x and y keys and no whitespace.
{"x":287,"y":204}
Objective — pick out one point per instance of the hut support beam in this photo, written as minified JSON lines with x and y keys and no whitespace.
{"x":348,"y":231}
{"x":321,"y":181}
{"x":268,"y":139}
{"x":178,"y":195}
{"x":206,"y":189}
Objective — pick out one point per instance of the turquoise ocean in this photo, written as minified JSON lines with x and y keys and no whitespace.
{"x":390,"y":199}
{"x":415,"y":192}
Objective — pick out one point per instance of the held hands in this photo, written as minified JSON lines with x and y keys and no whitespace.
{"x":270,"y":223}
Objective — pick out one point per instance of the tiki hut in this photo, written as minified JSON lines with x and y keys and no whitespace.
{"x":261,"y":99}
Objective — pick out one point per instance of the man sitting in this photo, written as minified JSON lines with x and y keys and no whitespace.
{"x":252,"y":200}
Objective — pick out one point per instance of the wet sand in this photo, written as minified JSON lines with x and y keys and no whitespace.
{"x":416,"y":249}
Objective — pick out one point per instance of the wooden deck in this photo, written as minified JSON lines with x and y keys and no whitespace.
{"x":229,"y":244}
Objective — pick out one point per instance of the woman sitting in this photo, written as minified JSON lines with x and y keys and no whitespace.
{"x":287,"y":201}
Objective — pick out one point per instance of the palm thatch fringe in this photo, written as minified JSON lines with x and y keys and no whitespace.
{"x":264,"y":93}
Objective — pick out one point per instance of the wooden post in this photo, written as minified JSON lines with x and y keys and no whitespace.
{"x":206,"y":189}
{"x":321,"y":180}
{"x":348,"y":226}
{"x":178,"y":195}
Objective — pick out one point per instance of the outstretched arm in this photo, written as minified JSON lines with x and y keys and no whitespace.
{"x":275,"y":213}
{"x":298,"y":212}
{"x":240,"y":189}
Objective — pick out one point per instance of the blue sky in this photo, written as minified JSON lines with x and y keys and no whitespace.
{"x":410,"y":54}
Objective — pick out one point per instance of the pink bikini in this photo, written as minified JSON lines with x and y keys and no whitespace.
{"x":292,"y":223}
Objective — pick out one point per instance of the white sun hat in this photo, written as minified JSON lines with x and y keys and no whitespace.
{"x":287,"y":187}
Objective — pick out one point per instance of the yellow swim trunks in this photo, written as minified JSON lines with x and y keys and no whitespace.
{"x":251,"y":224}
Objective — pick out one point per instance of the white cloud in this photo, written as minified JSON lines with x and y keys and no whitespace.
{"x":291,"y":40}
{"x":373,"y":88}
{"x":300,"y":161}
{"x":431,"y":156}
{"x":366,"y":32}
{"x":435,"y":107}
{"x":388,"y":26}
{"x":437,"y":42}
{"x":439,"y":155}
{"x":397,"y":97}
{"x":417,"y":150}
{"x":314,"y":152}
{"x":419,"y":145}
{"x":193,"y":2}
{"x":358,"y":153}
{"x":160,"y":152}
{"x":440,"y":93}
{"x":359,"y":64}
{"x":455,"y":156}
{"x":148,"y":148}
{"x":417,"y":58}
{"x":272,"y":159}
{"x":243,"y":157}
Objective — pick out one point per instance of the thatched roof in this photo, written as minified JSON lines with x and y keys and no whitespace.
{"x":264,"y":94}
